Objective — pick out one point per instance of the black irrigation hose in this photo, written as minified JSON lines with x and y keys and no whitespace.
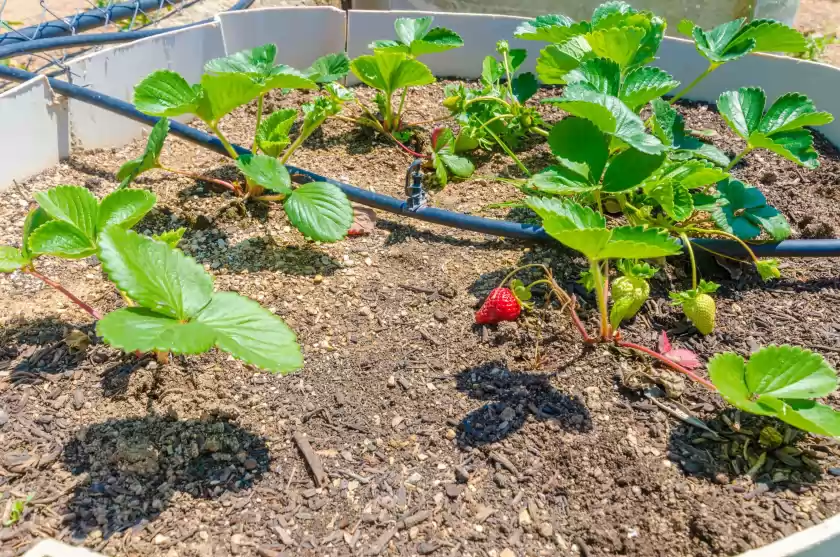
{"x":53,"y":34}
{"x":493,"y":227}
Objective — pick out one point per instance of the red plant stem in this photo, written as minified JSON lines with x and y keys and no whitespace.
{"x":77,"y":301}
{"x":673,"y":365}
{"x":576,"y":320}
{"x":407,"y":150}
{"x":222,"y":183}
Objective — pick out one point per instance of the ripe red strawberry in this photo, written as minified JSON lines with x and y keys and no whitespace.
{"x":500,"y":305}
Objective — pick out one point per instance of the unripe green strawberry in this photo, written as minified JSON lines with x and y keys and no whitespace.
{"x":701,"y":311}
{"x":628,"y":295}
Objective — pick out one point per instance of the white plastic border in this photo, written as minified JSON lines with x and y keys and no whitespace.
{"x":41,"y":129}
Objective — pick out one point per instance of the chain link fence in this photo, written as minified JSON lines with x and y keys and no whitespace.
{"x":30,"y":21}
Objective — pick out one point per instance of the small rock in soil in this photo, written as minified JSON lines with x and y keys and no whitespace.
{"x":833,"y":471}
{"x":546,"y":530}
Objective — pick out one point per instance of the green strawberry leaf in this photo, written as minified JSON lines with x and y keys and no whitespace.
{"x":34,"y":220}
{"x":61,"y":239}
{"x":742,"y":210}
{"x":669,"y":127}
{"x":166,"y":93}
{"x":572,"y":224}
{"x":790,"y":112}
{"x":225,"y":92}
{"x":251,"y":333}
{"x":388,"y":72}
{"x":273,"y":132}
{"x":438,"y":39}
{"x":524,"y":86}
{"x":692,"y":173}
{"x":171,"y":237}
{"x":150,"y":157}
{"x":320,"y":211}
{"x":769,"y":35}
{"x":789,"y":372}
{"x":560,"y":180}
{"x":639,"y":242}
{"x":674,"y":199}
{"x":552,"y":28}
{"x":328,"y":68}
{"x":409,"y":29}
{"x":457,"y":165}
{"x":139,"y":328}
{"x":618,"y":44}
{"x":796,"y":146}
{"x":629,"y":169}
{"x":601,"y":74}
{"x":154,"y":275}
{"x":124,"y":208}
{"x":742,"y":109}
{"x":777,"y":381}
{"x":728,"y":372}
{"x":491,"y":71}
{"x":557,"y":60}
{"x":11,"y":259}
{"x":73,"y":205}
{"x":806,"y":415}
{"x":441,"y":173}
{"x":581,"y":147}
{"x":265,"y":171}
{"x":645,"y":84}
{"x":258,"y":61}
{"x":768,"y":269}
{"x":610,"y":115}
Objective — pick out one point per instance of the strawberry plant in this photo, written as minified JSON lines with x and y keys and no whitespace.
{"x":665,"y":187}
{"x":495,"y":113}
{"x":417,"y":37}
{"x":172,"y":307}
{"x":393,"y":67}
{"x":319,"y":210}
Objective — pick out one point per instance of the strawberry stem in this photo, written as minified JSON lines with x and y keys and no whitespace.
{"x":690,"y":251}
{"x":92,"y":311}
{"x":671,"y":364}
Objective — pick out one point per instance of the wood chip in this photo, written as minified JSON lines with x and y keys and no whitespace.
{"x":312,"y":459}
{"x":382,"y":542}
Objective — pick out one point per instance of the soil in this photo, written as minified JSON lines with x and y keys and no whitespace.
{"x":434,"y":436}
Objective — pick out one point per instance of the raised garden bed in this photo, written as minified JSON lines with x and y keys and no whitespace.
{"x":436,"y":436}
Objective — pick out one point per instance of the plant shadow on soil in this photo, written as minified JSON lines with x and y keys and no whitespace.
{"x":41,"y":348}
{"x":131,"y":468}
{"x":514,"y":396}
{"x":723,"y":456}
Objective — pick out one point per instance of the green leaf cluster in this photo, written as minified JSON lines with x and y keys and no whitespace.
{"x":617,"y":32}
{"x":495,"y":112}
{"x":230,"y":82}
{"x":389,"y":72}
{"x":69,"y":222}
{"x":586,"y":164}
{"x":416,"y":37}
{"x":177,"y":310}
{"x":583,"y":229}
{"x":781,"y":129}
{"x":445,"y":157}
{"x":782,"y":382}
{"x":743,"y":210}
